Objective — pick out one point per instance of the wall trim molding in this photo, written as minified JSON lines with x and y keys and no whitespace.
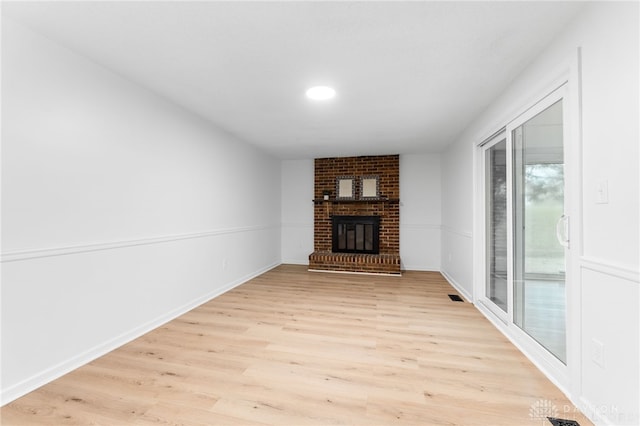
{"x":460,"y":232}
{"x":18,"y":255}
{"x":426,"y":227}
{"x":609,"y":268}
{"x":297,"y":225}
{"x":25,"y":386}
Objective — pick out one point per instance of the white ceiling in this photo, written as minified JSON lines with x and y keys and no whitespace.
{"x":410,"y":76}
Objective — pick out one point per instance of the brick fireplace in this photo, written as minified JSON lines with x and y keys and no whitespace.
{"x":354,"y":252}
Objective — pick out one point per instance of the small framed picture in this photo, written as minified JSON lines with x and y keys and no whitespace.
{"x":346,"y":187}
{"x":370,"y":187}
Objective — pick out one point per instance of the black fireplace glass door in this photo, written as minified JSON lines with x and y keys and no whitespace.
{"x":356,"y":234}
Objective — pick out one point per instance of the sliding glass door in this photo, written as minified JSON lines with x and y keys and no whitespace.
{"x":526,"y":229}
{"x":538,"y":254}
{"x":496,"y":284}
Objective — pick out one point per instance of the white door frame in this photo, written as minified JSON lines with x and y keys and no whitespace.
{"x":482,"y":236}
{"x":536,"y":349}
{"x":566,"y":87}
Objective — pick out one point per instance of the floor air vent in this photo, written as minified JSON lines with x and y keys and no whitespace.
{"x":562,"y":422}
{"x":455,"y":298}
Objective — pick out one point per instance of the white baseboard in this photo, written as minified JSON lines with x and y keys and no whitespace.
{"x":595,"y":415}
{"x":420,"y":268}
{"x":296,"y":262}
{"x":52,"y":373}
{"x":457,"y":286}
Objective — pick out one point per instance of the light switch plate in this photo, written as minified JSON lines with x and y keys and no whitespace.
{"x":602,"y":192}
{"x":597,"y":352}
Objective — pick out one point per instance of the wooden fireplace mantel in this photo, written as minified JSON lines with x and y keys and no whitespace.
{"x":337,"y":201}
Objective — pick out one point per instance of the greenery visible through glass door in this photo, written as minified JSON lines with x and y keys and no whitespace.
{"x":496,"y":224}
{"x":538,"y":200}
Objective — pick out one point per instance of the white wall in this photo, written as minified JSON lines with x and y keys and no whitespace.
{"x":457,"y":223}
{"x":120,"y":210}
{"x":604,"y":293}
{"x":420,"y":212}
{"x":297,"y":211}
{"x":610,"y":262}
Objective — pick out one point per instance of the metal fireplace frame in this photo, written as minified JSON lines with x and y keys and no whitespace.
{"x":350,"y":222}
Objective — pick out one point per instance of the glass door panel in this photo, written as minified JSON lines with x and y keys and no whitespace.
{"x":496,"y":224}
{"x":538,"y":206}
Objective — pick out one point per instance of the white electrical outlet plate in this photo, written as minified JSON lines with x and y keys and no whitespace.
{"x":597,"y":352}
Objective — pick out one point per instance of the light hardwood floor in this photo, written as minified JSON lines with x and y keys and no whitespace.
{"x":293,"y":347}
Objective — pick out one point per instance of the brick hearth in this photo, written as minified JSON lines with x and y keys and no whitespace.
{"x":349,"y":262}
{"x":327,"y":170}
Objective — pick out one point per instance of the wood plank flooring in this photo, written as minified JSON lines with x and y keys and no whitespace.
{"x":293,"y":347}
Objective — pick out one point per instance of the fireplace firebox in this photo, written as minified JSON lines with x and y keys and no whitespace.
{"x":356,"y":234}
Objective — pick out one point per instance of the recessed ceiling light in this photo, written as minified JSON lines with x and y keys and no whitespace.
{"x":321,"y":93}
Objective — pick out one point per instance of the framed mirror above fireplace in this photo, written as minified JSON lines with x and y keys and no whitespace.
{"x":369,"y":188}
{"x":346,"y":187}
